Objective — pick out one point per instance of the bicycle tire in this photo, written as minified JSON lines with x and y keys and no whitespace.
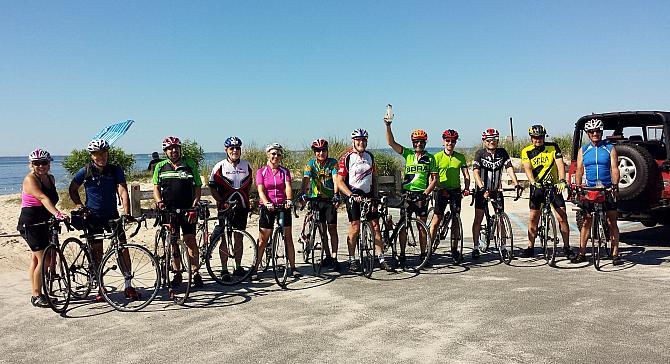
{"x":440,"y":232}
{"x":366,"y":249}
{"x":55,"y":279}
{"x":202,"y":242}
{"x":306,"y":241}
{"x":79,"y":267}
{"x":414,"y":260}
{"x":143,"y":273}
{"x":504,"y":240}
{"x":316,"y":243}
{"x":599,"y":242}
{"x":541,"y":231}
{"x":215,"y":256}
{"x":485,"y":234}
{"x":457,"y":218}
{"x":179,"y":292}
{"x":279,"y":257}
{"x":551,"y":235}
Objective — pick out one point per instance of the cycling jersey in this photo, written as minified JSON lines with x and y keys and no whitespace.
{"x":417,"y":171}
{"x":449,"y":169}
{"x":597,"y":163}
{"x":321,"y":177}
{"x":177,"y":183}
{"x":274,"y":182}
{"x":542,"y":160}
{"x":357,"y":170}
{"x":232,"y":182}
{"x":101,"y":188}
{"x":490,"y":166}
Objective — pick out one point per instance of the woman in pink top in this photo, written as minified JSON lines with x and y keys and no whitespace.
{"x":38,"y":203}
{"x":274,"y":188}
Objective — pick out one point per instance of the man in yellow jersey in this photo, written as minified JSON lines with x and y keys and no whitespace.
{"x":543,"y":162}
{"x":450,"y":165}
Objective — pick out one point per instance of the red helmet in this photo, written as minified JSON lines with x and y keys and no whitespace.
{"x":170,"y":141}
{"x":450,"y":134}
{"x":320,"y":144}
{"x":490,"y":133}
{"x":419,"y":135}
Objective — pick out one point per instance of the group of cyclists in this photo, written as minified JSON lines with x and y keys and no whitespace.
{"x":326,"y":182}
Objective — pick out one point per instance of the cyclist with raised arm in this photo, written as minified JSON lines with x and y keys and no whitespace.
{"x":102,"y":182}
{"x":419,"y":181}
{"x":487,"y":167}
{"x":177,"y":185}
{"x":319,"y":174}
{"x":543,"y":163}
{"x":450,"y":165}
{"x":357,"y":179}
{"x":598,"y":163}
{"x":230,"y":181}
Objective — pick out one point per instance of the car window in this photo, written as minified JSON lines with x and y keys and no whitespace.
{"x":655,"y":132}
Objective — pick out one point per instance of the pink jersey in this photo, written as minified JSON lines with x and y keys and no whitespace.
{"x":29,"y":200}
{"x":274,"y":182}
{"x":357,"y":170}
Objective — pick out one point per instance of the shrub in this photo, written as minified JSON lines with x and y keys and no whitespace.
{"x":191,"y":149}
{"x":565,"y":144}
{"x":79,"y":158}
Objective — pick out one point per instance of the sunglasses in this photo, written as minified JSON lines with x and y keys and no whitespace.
{"x":40,"y":163}
{"x":597,"y":131}
{"x":491,"y":140}
{"x":418,"y":142}
{"x":275,"y":153}
{"x":235,"y":148}
{"x":450,"y":141}
{"x":320,"y":150}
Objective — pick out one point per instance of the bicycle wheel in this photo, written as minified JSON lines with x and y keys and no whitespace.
{"x":441,"y":231}
{"x":306,"y":240}
{"x":317,"y":251}
{"x":202,"y":241}
{"x":599,"y":241}
{"x":79,"y":267}
{"x":55,"y":279}
{"x":279,"y":257}
{"x":415,"y":230}
{"x":228,"y":262}
{"x":130,"y":265}
{"x":504,"y":238}
{"x":179,"y":272}
{"x":551,"y":237}
{"x":542,"y":235}
{"x":366,"y":249}
{"x":485,"y":234}
{"x":456,"y":219}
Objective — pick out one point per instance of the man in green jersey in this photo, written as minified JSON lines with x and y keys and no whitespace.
{"x":419,"y":181}
{"x":450,"y":165}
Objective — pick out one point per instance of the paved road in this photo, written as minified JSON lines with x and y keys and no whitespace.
{"x":479,"y":312}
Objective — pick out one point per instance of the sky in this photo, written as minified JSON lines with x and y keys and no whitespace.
{"x":293,"y":71}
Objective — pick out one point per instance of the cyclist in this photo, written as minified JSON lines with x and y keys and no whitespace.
{"x":487,"y":168}
{"x":38,"y":203}
{"x":320,"y":171}
{"x":450,"y":165}
{"x":598,"y":162}
{"x":274,"y":188}
{"x":543,"y":162}
{"x":357,"y":179}
{"x":230,"y":181}
{"x":419,"y":181}
{"x":177,"y":185}
{"x":102,"y":182}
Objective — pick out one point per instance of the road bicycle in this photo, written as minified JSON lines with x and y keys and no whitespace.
{"x":446,"y":230}
{"x":172,"y":255}
{"x":591,"y":200}
{"x":497,"y":228}
{"x":547,"y":232}
{"x":313,"y":239}
{"x":277,"y":241}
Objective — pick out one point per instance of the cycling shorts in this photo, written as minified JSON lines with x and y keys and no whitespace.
{"x":609,"y":205}
{"x":480,"y":201}
{"x":238,"y":219}
{"x":419,"y":206}
{"x":354,"y":210}
{"x":267,"y":218}
{"x":537,"y":199}
{"x":451,"y":197}
{"x":98,"y":225}
{"x":327,"y":212}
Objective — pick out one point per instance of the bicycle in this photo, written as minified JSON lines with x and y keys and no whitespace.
{"x":314,"y":242}
{"x":218,"y":255}
{"x":202,"y":234}
{"x":365,"y":244}
{"x":172,"y":256}
{"x":591,"y":200}
{"x":546,"y":228}
{"x":449,"y":220}
{"x":412,"y":228}
{"x":497,"y":228}
{"x":137,"y":266}
{"x":278,"y":244}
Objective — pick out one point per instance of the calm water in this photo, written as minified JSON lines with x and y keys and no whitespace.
{"x":14,"y":169}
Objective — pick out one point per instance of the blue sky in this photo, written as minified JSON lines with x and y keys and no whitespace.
{"x":292,"y":71}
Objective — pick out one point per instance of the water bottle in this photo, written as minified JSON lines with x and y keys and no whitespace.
{"x":388,"y":117}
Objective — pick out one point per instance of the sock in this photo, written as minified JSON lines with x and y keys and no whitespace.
{"x":381,"y":258}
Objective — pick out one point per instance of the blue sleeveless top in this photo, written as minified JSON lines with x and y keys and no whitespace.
{"x":597,"y":163}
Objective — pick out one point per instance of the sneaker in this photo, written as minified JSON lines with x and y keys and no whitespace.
{"x":176,"y":280}
{"x":39,"y":301}
{"x":131,"y":293}
{"x":254,"y":277}
{"x":386,"y":266}
{"x":402,"y":259}
{"x":197,"y":281}
{"x":336,"y":265}
{"x":99,"y":297}
{"x":225,"y":275}
{"x":579,"y":258}
{"x":505,"y":254}
{"x":567,"y":251}
{"x":616,"y":260}
{"x":455,"y":254}
{"x":528,"y":253}
{"x":355,"y":266}
{"x":475,"y":254}
{"x":295,"y":273}
{"x":239,"y":272}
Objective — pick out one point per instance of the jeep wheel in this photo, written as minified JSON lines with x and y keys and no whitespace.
{"x":638,"y":171}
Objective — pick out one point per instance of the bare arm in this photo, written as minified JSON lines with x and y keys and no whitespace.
{"x":529,"y":172}
{"x":466,"y":177}
{"x":614,"y":166}
{"x":31,"y":187}
{"x":289,"y":188}
{"x":560,"y":165}
{"x":73,"y":191}
{"x":262,"y":195}
{"x":432,"y":182}
{"x":391,"y":140}
{"x":157,"y":194}
{"x":198,"y":194}
{"x":579,"y":173}
{"x":478,"y":179}
{"x":342,"y":187}
{"x":122,"y":190}
{"x":512,"y":174}
{"x":375,"y":184}
{"x":305,"y":181}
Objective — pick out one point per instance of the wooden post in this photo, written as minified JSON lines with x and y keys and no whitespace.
{"x":135,"y":196}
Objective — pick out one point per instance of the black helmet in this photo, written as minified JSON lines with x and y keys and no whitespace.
{"x":537,"y":130}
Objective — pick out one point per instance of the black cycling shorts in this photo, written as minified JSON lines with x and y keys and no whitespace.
{"x":327,"y":212}
{"x":452,"y":198}
{"x":98,"y":225}
{"x":37,"y":237}
{"x":354,"y":210}
{"x":238,"y":218}
{"x":180,"y":223}
{"x":267,"y":218}
{"x":418,"y":206}
{"x":480,"y":201}
{"x":537,"y":199}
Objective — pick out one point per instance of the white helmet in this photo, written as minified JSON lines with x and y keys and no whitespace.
{"x":359,"y":133}
{"x":39,"y":155}
{"x":593,"y":124}
{"x":276,"y":146}
{"x":97,"y":145}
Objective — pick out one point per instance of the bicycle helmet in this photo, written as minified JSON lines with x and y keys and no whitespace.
{"x":275,"y":146}
{"x":593,"y":124}
{"x":450,"y":134}
{"x":170,"y":141}
{"x":359,"y":133}
{"x":97,"y":145}
{"x":537,"y":130}
{"x":233,"y":141}
{"x":419,"y":135}
{"x":490,"y":133}
{"x":39,"y":155}
{"x":319,"y":144}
